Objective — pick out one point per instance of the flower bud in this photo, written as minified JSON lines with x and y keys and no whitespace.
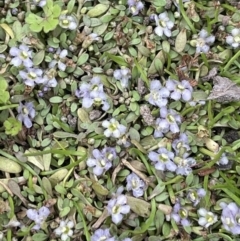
{"x":91,"y":141}
{"x":211,"y":145}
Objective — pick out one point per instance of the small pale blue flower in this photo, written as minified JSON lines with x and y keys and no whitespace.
{"x":204,"y":41}
{"x":158,"y":94}
{"x":179,"y":90}
{"x":22,"y":56}
{"x":195,"y":195}
{"x":231,"y":217}
{"x":99,"y":162}
{"x":184,"y":165}
{"x":117,"y":207}
{"x":163,"y":159}
{"x":59,"y":58}
{"x":32,"y":76}
{"x":136,"y":184}
{"x":38,"y":216}
{"x":26,"y":113}
{"x":164,"y":25}
{"x":102,"y":234}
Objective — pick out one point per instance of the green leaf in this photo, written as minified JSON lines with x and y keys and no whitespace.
{"x":35,"y":27}
{"x":39,"y":237}
{"x":82,"y":59}
{"x":70,"y":5}
{"x":56,"y":11}
{"x":143,"y":74}
{"x":98,"y":10}
{"x":39,"y":57}
{"x":159,"y":3}
{"x":117,"y":59}
{"x":56,"y":99}
{"x":33,"y":18}
{"x":134,"y":135}
{"x":140,"y":207}
{"x":50,"y":24}
{"x":18,"y":31}
{"x":12,"y":126}
{"x":3,"y":83}
{"x":4,"y":97}
{"x":7,"y":165}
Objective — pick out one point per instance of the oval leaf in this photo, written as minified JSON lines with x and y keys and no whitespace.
{"x":7,"y":165}
{"x":98,"y":10}
{"x":181,"y":41}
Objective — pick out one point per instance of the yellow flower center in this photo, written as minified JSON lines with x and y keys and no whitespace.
{"x":209,"y":218}
{"x":163,"y":157}
{"x":103,"y":238}
{"x":113,"y":126}
{"x":24,"y":54}
{"x":32,"y":75}
{"x":163,"y":24}
{"x":183,"y":213}
{"x":171,"y":118}
{"x":134,"y":183}
{"x":25,"y":111}
{"x":201,"y":42}
{"x":237,"y":39}
{"x":115,"y":209}
{"x":103,"y":163}
{"x":65,"y":22}
{"x":180,"y":87}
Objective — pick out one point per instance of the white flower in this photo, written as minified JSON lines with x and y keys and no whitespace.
{"x":164,"y":25}
{"x":114,"y":128}
{"x":206,"y":218}
{"x":234,"y":39}
{"x":67,"y":22}
{"x":65,"y":229}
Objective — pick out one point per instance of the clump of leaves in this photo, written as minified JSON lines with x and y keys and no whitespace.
{"x":4,"y":94}
{"x":12,"y":126}
{"x":48,"y":22}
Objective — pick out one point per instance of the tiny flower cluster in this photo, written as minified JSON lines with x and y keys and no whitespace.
{"x":93,"y":94}
{"x":234,"y":38}
{"x":104,"y":234}
{"x":169,"y":119}
{"x":22,"y":56}
{"x":123,"y":74}
{"x":179,"y":162}
{"x":38,"y":216}
{"x":102,"y":160}
{"x":180,"y":215}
